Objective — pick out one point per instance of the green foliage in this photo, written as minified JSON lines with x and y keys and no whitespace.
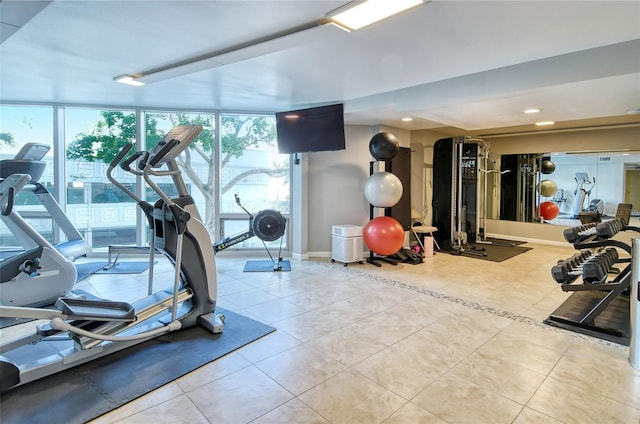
{"x":240,"y":132}
{"x":7,"y":138}
{"x":116,"y":128}
{"x":206,"y":139}
{"x":113,"y":131}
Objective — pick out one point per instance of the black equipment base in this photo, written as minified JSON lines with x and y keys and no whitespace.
{"x":267,"y":266}
{"x":487,"y":252}
{"x":87,"y":391}
{"x":612,"y":324}
{"x":376,"y":260}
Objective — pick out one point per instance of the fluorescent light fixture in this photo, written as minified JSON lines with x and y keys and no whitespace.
{"x":407,"y":119}
{"x":337,"y":25}
{"x":532,"y":110}
{"x":540,"y":124}
{"x":359,"y":14}
{"x":129,"y":80}
{"x":259,"y":47}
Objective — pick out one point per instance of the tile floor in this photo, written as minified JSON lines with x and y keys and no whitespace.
{"x":452,"y":340}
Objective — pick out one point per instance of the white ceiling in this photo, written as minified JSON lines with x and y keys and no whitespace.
{"x":472,"y":65}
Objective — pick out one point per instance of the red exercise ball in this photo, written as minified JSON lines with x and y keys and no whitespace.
{"x":384,"y":235}
{"x":548,"y":210}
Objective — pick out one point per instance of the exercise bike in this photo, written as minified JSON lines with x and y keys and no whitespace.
{"x":86,"y":329}
{"x":42,"y":271}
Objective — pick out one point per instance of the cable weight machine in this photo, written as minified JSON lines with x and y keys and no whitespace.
{"x":461,"y":193}
{"x":485,"y":172}
{"x":464,"y":160}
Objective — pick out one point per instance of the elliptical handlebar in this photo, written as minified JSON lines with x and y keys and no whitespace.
{"x":114,"y":163}
{"x":174,"y":142}
{"x":10,"y":199}
{"x":121,"y":154}
{"x":166,"y":148}
{"x":8,"y":189}
{"x":126,"y":164}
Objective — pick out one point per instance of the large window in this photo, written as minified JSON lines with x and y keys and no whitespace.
{"x":101,"y":212}
{"x":252,"y":169}
{"x":236,"y":154}
{"x":249,"y":164}
{"x":196,"y":162}
{"x":20,"y":125}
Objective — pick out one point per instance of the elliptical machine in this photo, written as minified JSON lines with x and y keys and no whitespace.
{"x":92,"y":328}
{"x":595,"y":207}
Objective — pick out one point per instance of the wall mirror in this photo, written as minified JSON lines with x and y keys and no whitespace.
{"x":573,"y":181}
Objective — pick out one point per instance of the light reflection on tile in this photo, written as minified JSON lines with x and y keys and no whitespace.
{"x":239,"y":397}
{"x":568,"y":403}
{"x":351,"y":398}
{"x":454,"y":339}
{"x":292,"y":412}
{"x":411,"y":413}
{"x":459,"y":400}
{"x":300,"y":368}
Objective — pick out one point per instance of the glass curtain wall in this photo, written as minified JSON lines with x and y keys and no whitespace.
{"x":252,"y":169}
{"x":245,"y":162}
{"x":102,"y":213}
{"x":197,"y":163}
{"x":20,"y":125}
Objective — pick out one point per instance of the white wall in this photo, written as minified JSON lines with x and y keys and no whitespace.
{"x":334,"y":181}
{"x":601,"y":139}
{"x":336,"y":188}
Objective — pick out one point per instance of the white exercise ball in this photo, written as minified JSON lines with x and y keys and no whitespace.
{"x":383,"y":189}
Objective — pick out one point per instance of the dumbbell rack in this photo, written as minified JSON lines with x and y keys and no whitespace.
{"x":599,"y":303}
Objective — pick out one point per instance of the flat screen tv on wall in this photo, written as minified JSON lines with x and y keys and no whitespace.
{"x":315,"y":129}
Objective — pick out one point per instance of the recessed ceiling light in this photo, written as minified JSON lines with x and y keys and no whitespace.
{"x":407,"y":119}
{"x":532,"y":110}
{"x":545,"y":123}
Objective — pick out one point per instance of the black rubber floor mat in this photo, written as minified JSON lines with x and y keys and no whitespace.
{"x":87,"y":391}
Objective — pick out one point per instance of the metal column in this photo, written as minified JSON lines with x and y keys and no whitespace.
{"x":634,"y":345}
